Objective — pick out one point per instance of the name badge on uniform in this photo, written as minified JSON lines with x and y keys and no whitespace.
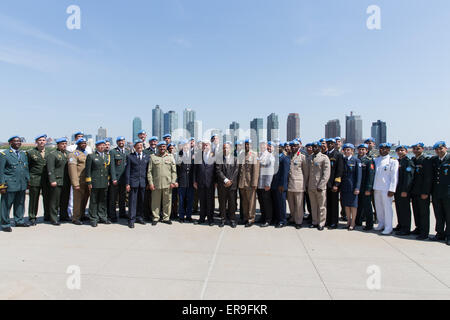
{"x":386,"y":168}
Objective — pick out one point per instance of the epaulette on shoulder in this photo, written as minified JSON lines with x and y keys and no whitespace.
{"x":2,"y":153}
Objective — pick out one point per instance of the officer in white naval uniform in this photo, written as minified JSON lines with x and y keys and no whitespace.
{"x":385,"y":184}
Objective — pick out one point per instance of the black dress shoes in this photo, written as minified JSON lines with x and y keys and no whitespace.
{"x":56,"y":223}
{"x":188,"y":220}
{"x":106,"y":222}
{"x":332,"y":226}
{"x":233,"y":224}
{"x":416,"y":232}
{"x":141,"y":221}
{"x":397,"y":228}
{"x":167,"y":222}
{"x":448,"y":242}
{"x":181,"y":220}
{"x":77,"y":222}
{"x":437,"y":237}
{"x":201,"y":221}
{"x":114,"y":220}
{"x":366,"y":228}
{"x":32,"y":223}
{"x":298,"y":226}
{"x":211,"y":223}
{"x":131,"y":225}
{"x":402,"y":233}
{"x":221,"y":224}
{"x":280,"y":225}
{"x":22,"y":225}
{"x":312,"y":226}
{"x":320,"y":228}
{"x":265,"y":225}
{"x":154,"y":223}
{"x":248,"y":224}
{"x":7,"y":229}
{"x":94,"y":224}
{"x":422,"y":237}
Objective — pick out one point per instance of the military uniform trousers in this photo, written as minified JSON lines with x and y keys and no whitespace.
{"x":365,"y":210}
{"x":441,"y":208}
{"x":185,"y":200}
{"x":98,"y":204}
{"x":249,"y":203}
{"x":59,"y":199}
{"x":279,"y":205}
{"x":80,"y":199}
{"x":8,"y":200}
{"x":136,"y":204}
{"x":421,"y":209}
{"x":227,"y":203}
{"x":265,"y":205}
{"x":206,"y":198}
{"x":318,"y":207}
{"x":383,"y":206}
{"x":295,"y":201}
{"x":403,"y":209}
{"x":148,"y":205}
{"x":332,"y":207}
{"x":117,"y":193}
{"x":174,"y":210}
{"x":161,"y":204}
{"x":33,"y":206}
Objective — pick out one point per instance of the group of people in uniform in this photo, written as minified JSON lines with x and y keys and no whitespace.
{"x":162,"y":181}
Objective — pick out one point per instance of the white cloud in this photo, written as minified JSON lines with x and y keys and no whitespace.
{"x":182,"y":42}
{"x":332,"y":92}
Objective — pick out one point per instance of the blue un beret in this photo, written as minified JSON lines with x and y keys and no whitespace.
{"x":369,"y":140}
{"x":40,"y":136}
{"x":363,"y":145}
{"x":161,"y":143}
{"x":167,"y":136}
{"x":348,"y":145}
{"x":419,"y":144}
{"x":248,"y":141}
{"x":440,"y":144}
{"x":61,"y":140}
{"x":80,"y":140}
{"x":13,"y":137}
{"x":331,"y":140}
{"x":385,"y":145}
{"x":294,"y":142}
{"x":138,"y":141}
{"x":79,"y":133}
{"x":100,"y":142}
{"x":338,"y":138}
{"x":142,"y":131}
{"x":323,"y":140}
{"x":154,"y":138}
{"x":402,"y":146}
{"x":120,"y":138}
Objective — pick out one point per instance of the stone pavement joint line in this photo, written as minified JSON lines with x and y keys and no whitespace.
{"x":415,"y":262}
{"x":211,"y":265}
{"x":315,"y":267}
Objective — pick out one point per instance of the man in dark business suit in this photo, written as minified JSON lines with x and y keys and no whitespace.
{"x":136,"y":180}
{"x":227,"y":171}
{"x":279,"y":186}
{"x":185,"y":180}
{"x":204,"y":179}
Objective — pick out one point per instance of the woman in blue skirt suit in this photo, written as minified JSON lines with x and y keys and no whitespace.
{"x":351,"y":184}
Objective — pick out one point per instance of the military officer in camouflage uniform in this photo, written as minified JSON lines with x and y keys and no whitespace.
{"x":371,"y":151}
{"x":162,"y":178}
{"x":118,"y":190}
{"x":98,"y":170}
{"x":77,"y":174}
{"x":441,"y":191}
{"x":38,"y":180}
{"x":58,"y":176}
{"x":14,"y":178}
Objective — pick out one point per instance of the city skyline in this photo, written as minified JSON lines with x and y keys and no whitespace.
{"x":229,"y":61}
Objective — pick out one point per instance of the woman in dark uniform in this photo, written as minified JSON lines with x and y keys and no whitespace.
{"x":351,"y":184}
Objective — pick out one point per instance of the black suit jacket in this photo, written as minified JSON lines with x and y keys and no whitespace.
{"x":185,"y":171}
{"x":136,"y":171}
{"x":204,"y":174}
{"x":228,"y":171}
{"x":337,"y":168}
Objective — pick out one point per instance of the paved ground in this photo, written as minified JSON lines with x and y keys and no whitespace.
{"x":200,"y":262}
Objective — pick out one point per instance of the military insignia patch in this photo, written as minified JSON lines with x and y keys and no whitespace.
{"x":409,"y":169}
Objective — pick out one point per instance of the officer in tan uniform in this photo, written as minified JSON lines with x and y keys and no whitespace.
{"x":77,"y":165}
{"x":298,"y":175}
{"x":162,"y":178}
{"x":248,"y":182}
{"x":319,"y":174}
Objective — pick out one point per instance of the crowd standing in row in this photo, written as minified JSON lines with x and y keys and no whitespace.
{"x":162,"y":181}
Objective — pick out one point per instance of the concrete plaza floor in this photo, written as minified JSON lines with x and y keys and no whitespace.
{"x":185,"y":261}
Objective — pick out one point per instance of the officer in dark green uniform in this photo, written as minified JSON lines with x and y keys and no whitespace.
{"x":58,"y":176}
{"x":403,"y":191}
{"x":365,"y":210}
{"x":441,"y":191}
{"x":98,"y":169}
{"x":14,"y":178}
{"x":38,"y":179}
{"x":420,"y":192}
{"x":371,"y":151}
{"x":118,"y":190}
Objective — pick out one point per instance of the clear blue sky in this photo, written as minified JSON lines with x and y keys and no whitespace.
{"x":228,"y":60}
